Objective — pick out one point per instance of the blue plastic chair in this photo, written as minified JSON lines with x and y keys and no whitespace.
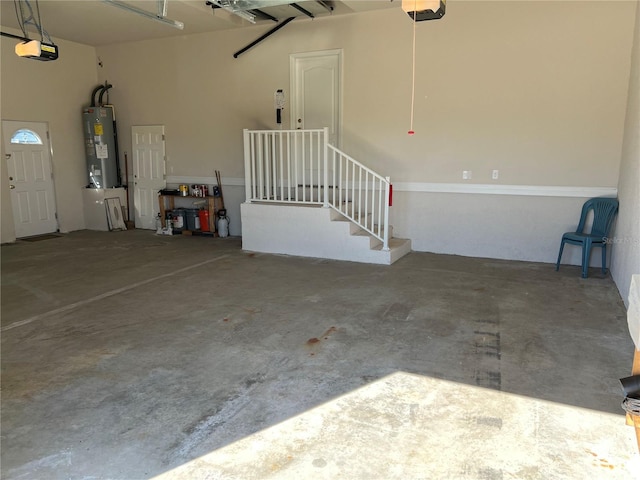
{"x":604,"y":211}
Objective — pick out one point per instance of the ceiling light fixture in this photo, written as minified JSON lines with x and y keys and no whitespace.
{"x":421,"y":10}
{"x":159,"y":17}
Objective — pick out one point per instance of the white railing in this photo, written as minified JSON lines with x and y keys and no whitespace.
{"x":299,"y":166}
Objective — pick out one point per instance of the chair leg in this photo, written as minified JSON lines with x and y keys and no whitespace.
{"x":560,"y":255}
{"x":604,"y":258}
{"x":586,"y":257}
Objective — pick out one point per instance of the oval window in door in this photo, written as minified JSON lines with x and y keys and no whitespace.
{"x":26,"y":137}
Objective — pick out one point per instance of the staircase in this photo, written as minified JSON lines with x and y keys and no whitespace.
{"x":305,"y":197}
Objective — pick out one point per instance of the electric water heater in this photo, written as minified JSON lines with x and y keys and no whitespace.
{"x":100,"y":146}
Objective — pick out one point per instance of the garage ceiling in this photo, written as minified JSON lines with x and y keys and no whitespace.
{"x":97,"y":23}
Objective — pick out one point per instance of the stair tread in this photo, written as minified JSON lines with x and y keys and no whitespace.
{"x":393,"y":243}
{"x":343,"y":218}
{"x":361,"y":233}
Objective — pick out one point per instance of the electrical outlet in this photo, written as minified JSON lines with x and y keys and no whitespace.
{"x":466,"y":174}
{"x":495,"y":174}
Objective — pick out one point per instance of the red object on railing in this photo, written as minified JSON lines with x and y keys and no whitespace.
{"x":390,"y":195}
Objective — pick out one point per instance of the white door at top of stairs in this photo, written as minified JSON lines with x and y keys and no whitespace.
{"x":316,"y":92}
{"x":316,"y":98}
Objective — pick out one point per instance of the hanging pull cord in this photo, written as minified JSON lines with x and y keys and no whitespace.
{"x":413,"y":67}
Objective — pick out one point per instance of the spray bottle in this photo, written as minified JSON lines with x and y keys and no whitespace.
{"x":223,"y":223}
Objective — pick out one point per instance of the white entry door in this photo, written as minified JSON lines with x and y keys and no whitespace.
{"x":148,"y":173}
{"x":28,"y":156}
{"x":316,"y":92}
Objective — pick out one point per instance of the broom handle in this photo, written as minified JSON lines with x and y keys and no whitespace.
{"x":218,"y":179}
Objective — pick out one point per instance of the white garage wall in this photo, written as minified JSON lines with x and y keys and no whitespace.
{"x":483,"y":225}
{"x":626,"y":260}
{"x":539,"y":95}
{"x":535,"y":91}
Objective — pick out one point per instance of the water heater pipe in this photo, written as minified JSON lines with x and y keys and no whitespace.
{"x":93,"y":95}
{"x":106,"y":87}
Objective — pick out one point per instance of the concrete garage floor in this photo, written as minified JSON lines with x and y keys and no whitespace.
{"x":131,"y":356}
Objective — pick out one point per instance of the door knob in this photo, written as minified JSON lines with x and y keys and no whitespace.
{"x":12,"y":187}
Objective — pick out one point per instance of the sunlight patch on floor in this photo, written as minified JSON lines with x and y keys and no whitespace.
{"x":407,"y":426}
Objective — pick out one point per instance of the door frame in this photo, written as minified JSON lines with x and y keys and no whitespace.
{"x":49,"y":148}
{"x":293,"y":57}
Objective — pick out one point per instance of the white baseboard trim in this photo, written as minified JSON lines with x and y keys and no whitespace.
{"x":467,"y":188}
